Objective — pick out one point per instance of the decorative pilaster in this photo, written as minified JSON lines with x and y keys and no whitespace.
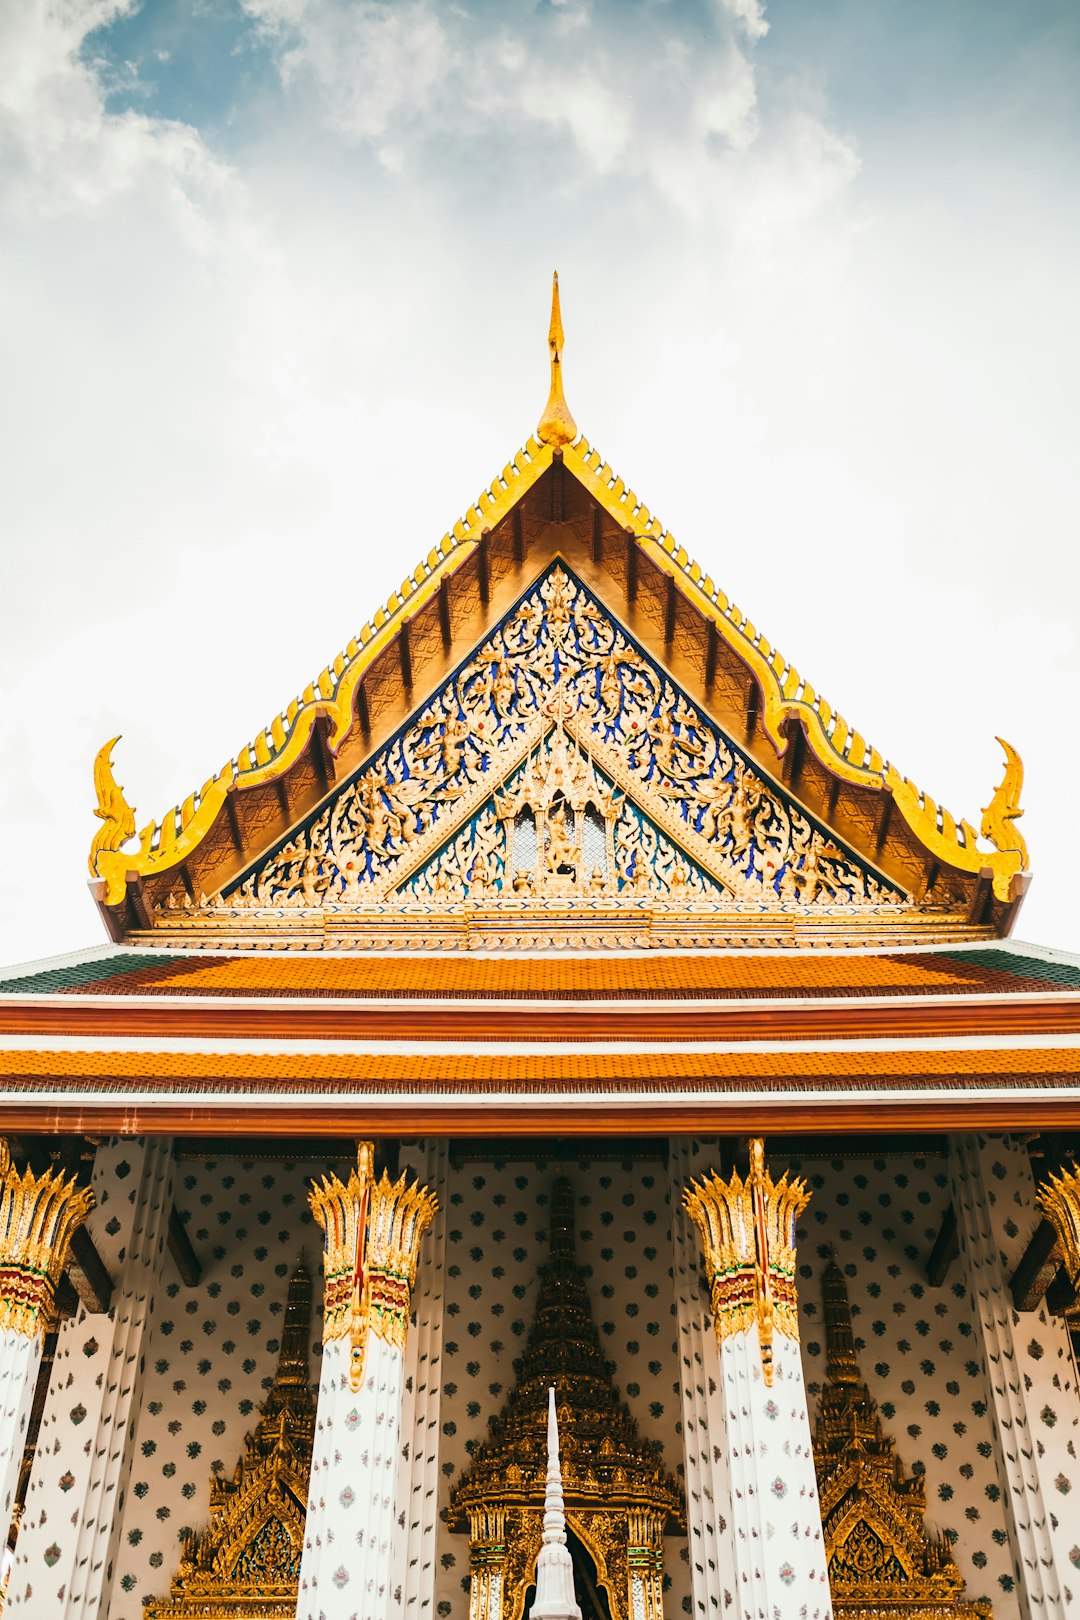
{"x":66,"y":1552}
{"x":372,"y":1231}
{"x":489,"y":1556}
{"x":38,"y":1215}
{"x":1030,"y":1374}
{"x":708,"y":1487}
{"x":417,"y":1516}
{"x":748,"y":1235}
{"x":555,"y":1598}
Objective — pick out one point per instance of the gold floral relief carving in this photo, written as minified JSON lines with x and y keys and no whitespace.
{"x":558,"y":685}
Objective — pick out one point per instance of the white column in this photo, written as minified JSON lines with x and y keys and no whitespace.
{"x":708,"y":1490}
{"x":780,"y":1565}
{"x":417,"y":1515}
{"x":372,"y":1237}
{"x":38,"y":1214}
{"x":778,"y":1550}
{"x":20,"y":1362}
{"x":1030,"y":1374}
{"x":67,"y":1545}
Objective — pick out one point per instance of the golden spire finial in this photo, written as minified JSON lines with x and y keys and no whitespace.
{"x":556,"y":427}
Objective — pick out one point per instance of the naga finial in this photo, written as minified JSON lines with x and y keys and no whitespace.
{"x":1002,"y":813}
{"x":112,"y":810}
{"x":556,"y":427}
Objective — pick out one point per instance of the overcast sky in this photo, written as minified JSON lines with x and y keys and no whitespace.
{"x":274,"y":280}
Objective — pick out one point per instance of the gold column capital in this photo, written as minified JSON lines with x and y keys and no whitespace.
{"x":372,"y":1231}
{"x":747,"y":1230}
{"x":38,"y":1214}
{"x":1059,"y":1199}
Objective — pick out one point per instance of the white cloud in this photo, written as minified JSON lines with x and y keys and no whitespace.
{"x":749,"y":14}
{"x":60,"y":147}
{"x":647,"y":94}
{"x":855,"y":409}
{"x":376,"y":64}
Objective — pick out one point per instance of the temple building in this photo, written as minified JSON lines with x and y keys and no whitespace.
{"x":557,"y":995}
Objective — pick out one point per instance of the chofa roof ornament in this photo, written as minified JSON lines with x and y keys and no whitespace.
{"x":556,"y":427}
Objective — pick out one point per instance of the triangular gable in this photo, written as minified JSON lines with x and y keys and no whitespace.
{"x":559,"y":762}
{"x":561,"y":829}
{"x":558,"y":497}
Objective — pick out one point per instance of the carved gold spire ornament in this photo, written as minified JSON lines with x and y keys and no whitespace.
{"x":372,"y":1231}
{"x":1059,"y":1199}
{"x":246,"y":1564}
{"x":112,"y":810}
{"x":882,"y":1563}
{"x":556,"y":427}
{"x":38,"y":1215}
{"x":748,"y":1236}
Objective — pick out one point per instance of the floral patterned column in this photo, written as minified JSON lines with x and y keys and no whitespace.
{"x":1030,"y":1372}
{"x":38,"y":1214}
{"x":372,"y":1231}
{"x":748,"y":1235}
{"x":708,"y":1490}
{"x":418,"y":1470}
{"x":66,"y":1551}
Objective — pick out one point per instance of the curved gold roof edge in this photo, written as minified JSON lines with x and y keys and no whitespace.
{"x":787,"y":697}
{"x":277,"y":746}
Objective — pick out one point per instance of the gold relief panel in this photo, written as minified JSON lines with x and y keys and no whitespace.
{"x":560,"y":720}
{"x":619,"y":1500}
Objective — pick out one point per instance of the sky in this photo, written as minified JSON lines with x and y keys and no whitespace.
{"x":274,"y":281}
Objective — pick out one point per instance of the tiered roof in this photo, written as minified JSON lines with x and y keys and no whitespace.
{"x":985,"y":1037}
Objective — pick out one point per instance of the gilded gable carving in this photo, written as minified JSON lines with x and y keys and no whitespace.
{"x":654,"y":799}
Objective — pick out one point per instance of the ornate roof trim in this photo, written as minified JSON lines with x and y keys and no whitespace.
{"x":278,"y":745}
{"x":787,"y":698}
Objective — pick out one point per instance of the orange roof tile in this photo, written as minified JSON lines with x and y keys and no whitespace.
{"x":438,"y":1074}
{"x":657,"y":976}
